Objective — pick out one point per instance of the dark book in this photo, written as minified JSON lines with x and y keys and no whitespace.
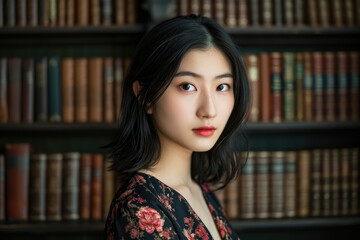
{"x":17,"y":181}
{"x":344,"y":181}
{"x":70,"y":12}
{"x":54,"y":187}
{"x":299,"y":13}
{"x":85,"y":185}
{"x":32,"y":13}
{"x":2,"y":187}
{"x":289,"y":102}
{"x":14,"y":90}
{"x":337,"y":13}
{"x":254,"y":13}
{"x":312,"y":13}
{"x":70,"y":186}
{"x":266,"y":13}
{"x":81,"y":90}
{"x":4,"y":111}
{"x":324,"y":11}
{"x":354,"y":86}
{"x":130,"y":12}
{"x":299,"y":86}
{"x":68,"y":89}
{"x":354,"y":181}
{"x":37,"y":188}
{"x":326,"y":183}
{"x":43,"y":12}
{"x":118,"y":85}
{"x":109,"y":85}
{"x":276,"y":184}
{"x":10,"y":13}
{"x":95,"y":89}
{"x":54,"y":89}
{"x":349,"y":12}
{"x":315,"y":187}
{"x":308,"y":87}
{"x":253,"y":76}
{"x":218,"y":11}
{"x":230,"y":16}
{"x":303,"y":183}
{"x":289,"y":13}
{"x":109,"y":187}
{"x":97,"y":187}
{"x":247,"y":188}
{"x":243,"y":15}
{"x":27,"y":84}
{"x":335,"y":182}
{"x":342,"y":86}
{"x":318,"y":87}
{"x":82,"y":12}
{"x":329,"y":86}
{"x":41,"y":90}
{"x":21,"y":18}
{"x":106,"y":12}
{"x":279,"y":12}
{"x":262,"y":184}
{"x":2,"y":13}
{"x":290,"y":182}
{"x":95,"y":12}
{"x":276,"y":86}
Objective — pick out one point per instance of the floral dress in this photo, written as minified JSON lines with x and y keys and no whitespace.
{"x":149,"y":209}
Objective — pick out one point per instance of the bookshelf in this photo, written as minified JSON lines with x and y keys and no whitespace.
{"x":119,"y":40}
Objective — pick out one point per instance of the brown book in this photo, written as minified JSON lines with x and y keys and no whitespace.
{"x":289,"y":102}
{"x":329,"y":86}
{"x":276,"y":86}
{"x":85,"y":186}
{"x":53,"y":13}
{"x":81,"y":90}
{"x":313,"y":11}
{"x":96,"y":187}
{"x":54,"y":187}
{"x":349,"y":12}
{"x":120,"y":12}
{"x":109,"y":187}
{"x":109,"y":78}
{"x":266,"y":12}
{"x":326,"y":182}
{"x":262,"y":184}
{"x":315,"y":188}
{"x":195,"y":6}
{"x":243,"y":16}
{"x":27,"y":84}
{"x":206,"y":8}
{"x":41,"y":90}
{"x":354,"y":181}
{"x":247,"y":188}
{"x":354,"y":86}
{"x":265,"y":87}
{"x":335,"y":182}
{"x":318,"y":87}
{"x":219,"y":11}
{"x":344,"y":181}
{"x":231,"y":199}
{"x":130,"y":12}
{"x":118,"y":85}
{"x":290,"y":196}
{"x":4,"y":112}
{"x":324,"y":11}
{"x":70,"y":12}
{"x":70,"y":186}
{"x":337,"y":13}
{"x":231,"y":13}
{"x":68,"y":89}
{"x":2,"y":187}
{"x":343,"y":85}
{"x":32,"y":13}
{"x":289,"y":12}
{"x":82,"y":12}
{"x":21,"y":7}
{"x":308,"y":87}
{"x":303,"y":183}
{"x":253,"y":74}
{"x":17,"y":181}
{"x":299,"y":86}
{"x":14,"y":90}
{"x":37,"y":188}
{"x":95,"y":12}
{"x":61,"y":13}
{"x":43,"y":12}
{"x":276,"y":184}
{"x":95,"y":90}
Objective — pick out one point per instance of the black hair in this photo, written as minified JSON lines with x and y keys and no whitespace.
{"x":154,"y":65}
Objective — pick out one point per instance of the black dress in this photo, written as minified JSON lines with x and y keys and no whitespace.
{"x":149,"y":209}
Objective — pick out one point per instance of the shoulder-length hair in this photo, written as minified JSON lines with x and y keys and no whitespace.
{"x":154,"y":65}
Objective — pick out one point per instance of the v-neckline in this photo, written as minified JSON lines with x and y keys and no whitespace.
{"x":213,"y":212}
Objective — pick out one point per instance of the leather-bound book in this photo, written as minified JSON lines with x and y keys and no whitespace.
{"x":27,"y":84}
{"x":265,"y":87}
{"x":289,"y":13}
{"x":354,"y":181}
{"x":279,"y":13}
{"x":85,"y":185}
{"x":323,"y":13}
{"x":2,"y":13}
{"x":329,"y":86}
{"x":53,"y":13}
{"x":4,"y":112}
{"x":10,"y":13}
{"x":335,"y":182}
{"x":342,"y":86}
{"x":20,"y":11}
{"x":303,"y":183}
{"x":315,"y":187}
{"x":349,"y":13}
{"x":337,"y":13}
{"x":290,"y":181}
{"x":95,"y":12}
{"x":96,"y":186}
{"x":206,"y":8}
{"x":289,"y":102}
{"x":54,"y":187}
{"x":326,"y":183}
{"x":61,"y":13}
{"x":81,"y":90}
{"x":219,"y":11}
{"x":32,"y":13}
{"x":17,"y":181}
{"x":299,"y":12}
{"x":118,"y":85}
{"x":277,"y":86}
{"x":253,"y":74}
{"x":106,"y":12}
{"x":68,"y":89}
{"x":262,"y":184}
{"x":230,"y":17}
{"x":95,"y":90}
{"x":43,"y":12}
{"x":247,"y":188}
{"x":308,"y":87}
{"x":318,"y":86}
{"x":266,"y":13}
{"x":70,"y":12}
{"x":354,"y":86}
{"x":54,"y":89}
{"x":109,"y":84}
{"x":130,"y":12}
{"x":276,"y":184}
{"x":254,"y":13}
{"x":344,"y":181}
{"x":82,"y":12}
{"x":243,"y":15}
{"x":120,"y":12}
{"x":299,"y":86}
{"x":41,"y":90}
{"x":14,"y":90}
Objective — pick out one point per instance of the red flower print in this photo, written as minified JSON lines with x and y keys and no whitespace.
{"x":166,"y":235}
{"x":221,"y":227}
{"x":140,"y":179}
{"x":134,"y":233}
{"x":201,"y":232}
{"x":189,"y":236}
{"x":150,"y":220}
{"x":189,"y":222}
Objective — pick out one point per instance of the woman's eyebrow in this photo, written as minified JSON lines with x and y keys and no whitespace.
{"x":195,"y":75}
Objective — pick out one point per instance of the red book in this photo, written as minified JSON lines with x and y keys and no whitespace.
{"x":265,"y":87}
{"x":96,"y":187}
{"x":17,"y":181}
{"x":303,"y":183}
{"x":68,"y":89}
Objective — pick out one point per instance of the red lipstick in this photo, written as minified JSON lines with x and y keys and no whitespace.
{"x":204,"y":131}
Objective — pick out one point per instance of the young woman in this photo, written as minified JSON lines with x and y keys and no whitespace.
{"x":185,"y":94}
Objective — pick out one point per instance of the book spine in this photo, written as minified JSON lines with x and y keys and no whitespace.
{"x":43,"y":13}
{"x":53,"y":13}
{"x":276,"y":173}
{"x":354,"y":86}
{"x":247,"y":209}
{"x":17,"y":181}
{"x":335,"y":182}
{"x":4,"y":112}
{"x":27,"y":84}
{"x":96,"y":187}
{"x":344,"y":181}
{"x":68,"y":87}
{"x":70,"y":186}
{"x":308,"y":87}
{"x":290,"y":196}
{"x":262,"y":185}
{"x":338,"y":14}
{"x":41,"y":90}
{"x":107,"y":13}
{"x":326,"y":182}
{"x":81,"y":89}
{"x":37,"y":195}
{"x":95,"y":89}
{"x":354,"y":181}
{"x":82,"y":12}
{"x":289,"y":87}
{"x":299,"y":78}
{"x":14,"y":89}
{"x":324,"y":13}
{"x":315,"y":188}
{"x":20,"y":10}
{"x":1,"y":13}
{"x":254,"y":13}
{"x":329,"y":87}
{"x":70,"y":12}
{"x":278,"y":13}
{"x":61,"y":11}
{"x":219,"y":11}
{"x":303,"y":181}
{"x":118,"y":88}
{"x":231,"y":13}
{"x":318,"y":87}
{"x":253,"y":73}
{"x":206,"y":8}
{"x":343,"y":105}
{"x":32,"y":13}
{"x":54,"y":90}
{"x":95,"y":12}
{"x":266,"y":13}
{"x":120,"y":12}
{"x":243,"y":15}
{"x":276,"y":86}
{"x":109,"y":83}
{"x":85,"y":186}
{"x":289,"y":12}
{"x":299,"y":12}
{"x":10,"y":13}
{"x":265,"y":88}
{"x":54,"y":187}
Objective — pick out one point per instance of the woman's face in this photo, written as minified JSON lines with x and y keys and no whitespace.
{"x":194,"y":109}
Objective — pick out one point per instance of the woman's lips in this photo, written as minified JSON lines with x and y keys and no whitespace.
{"x":204,"y":131}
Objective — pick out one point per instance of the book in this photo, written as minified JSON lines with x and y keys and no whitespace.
{"x":344,"y":181}
{"x":120,"y":12}
{"x":54,"y":187}
{"x":14,"y":90}
{"x":335,"y":182}
{"x":95,"y":12}
{"x":299,"y":86}
{"x":326,"y":182}
{"x":81,"y":90}
{"x":70,"y":186}
{"x":95,"y":89}
{"x":97,"y":162}
{"x":68,"y":89}
{"x":308,"y":87}
{"x":247,"y":188}
{"x":85,"y":186}
{"x":329,"y":86}
{"x":276,"y":184}
{"x":109,"y":92}
{"x":262,"y":184}
{"x":243,"y":16}
{"x":266,"y":12}
{"x":61,"y":13}
{"x":10,"y":13}
{"x":354,"y":181}
{"x":289,"y":102}
{"x":27,"y":84}
{"x":253,"y":76}
{"x":54,"y":89}
{"x":70,"y":12}
{"x":32,"y":13}
{"x":279,"y":13}
{"x":106,"y":12}
{"x":318,"y":87}
{"x":4,"y":112}
{"x":37,"y":187}
{"x":265,"y":87}
{"x":354,"y":86}
{"x":342,"y":85}
{"x":1,"y":13}
{"x":82,"y":12}
{"x":290,"y":182}
{"x":276,"y":87}
{"x":303,"y":183}
{"x":315,"y":187}
{"x":20,"y":11}
{"x":41,"y":90}
{"x":299,"y":12}
{"x":108,"y":187}
{"x":118,"y":85}
{"x":17,"y":181}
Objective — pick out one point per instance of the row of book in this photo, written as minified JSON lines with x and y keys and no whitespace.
{"x":285,"y":86}
{"x":54,"y":89}
{"x":304,"y":86}
{"x":54,"y":187}
{"x":67,"y":13}
{"x":276,"y":13}
{"x":289,"y":184}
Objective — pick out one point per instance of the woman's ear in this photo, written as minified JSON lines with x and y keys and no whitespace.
{"x":136,"y":88}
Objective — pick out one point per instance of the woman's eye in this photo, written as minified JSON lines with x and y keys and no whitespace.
{"x":223,"y":87}
{"x":187,"y":87}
